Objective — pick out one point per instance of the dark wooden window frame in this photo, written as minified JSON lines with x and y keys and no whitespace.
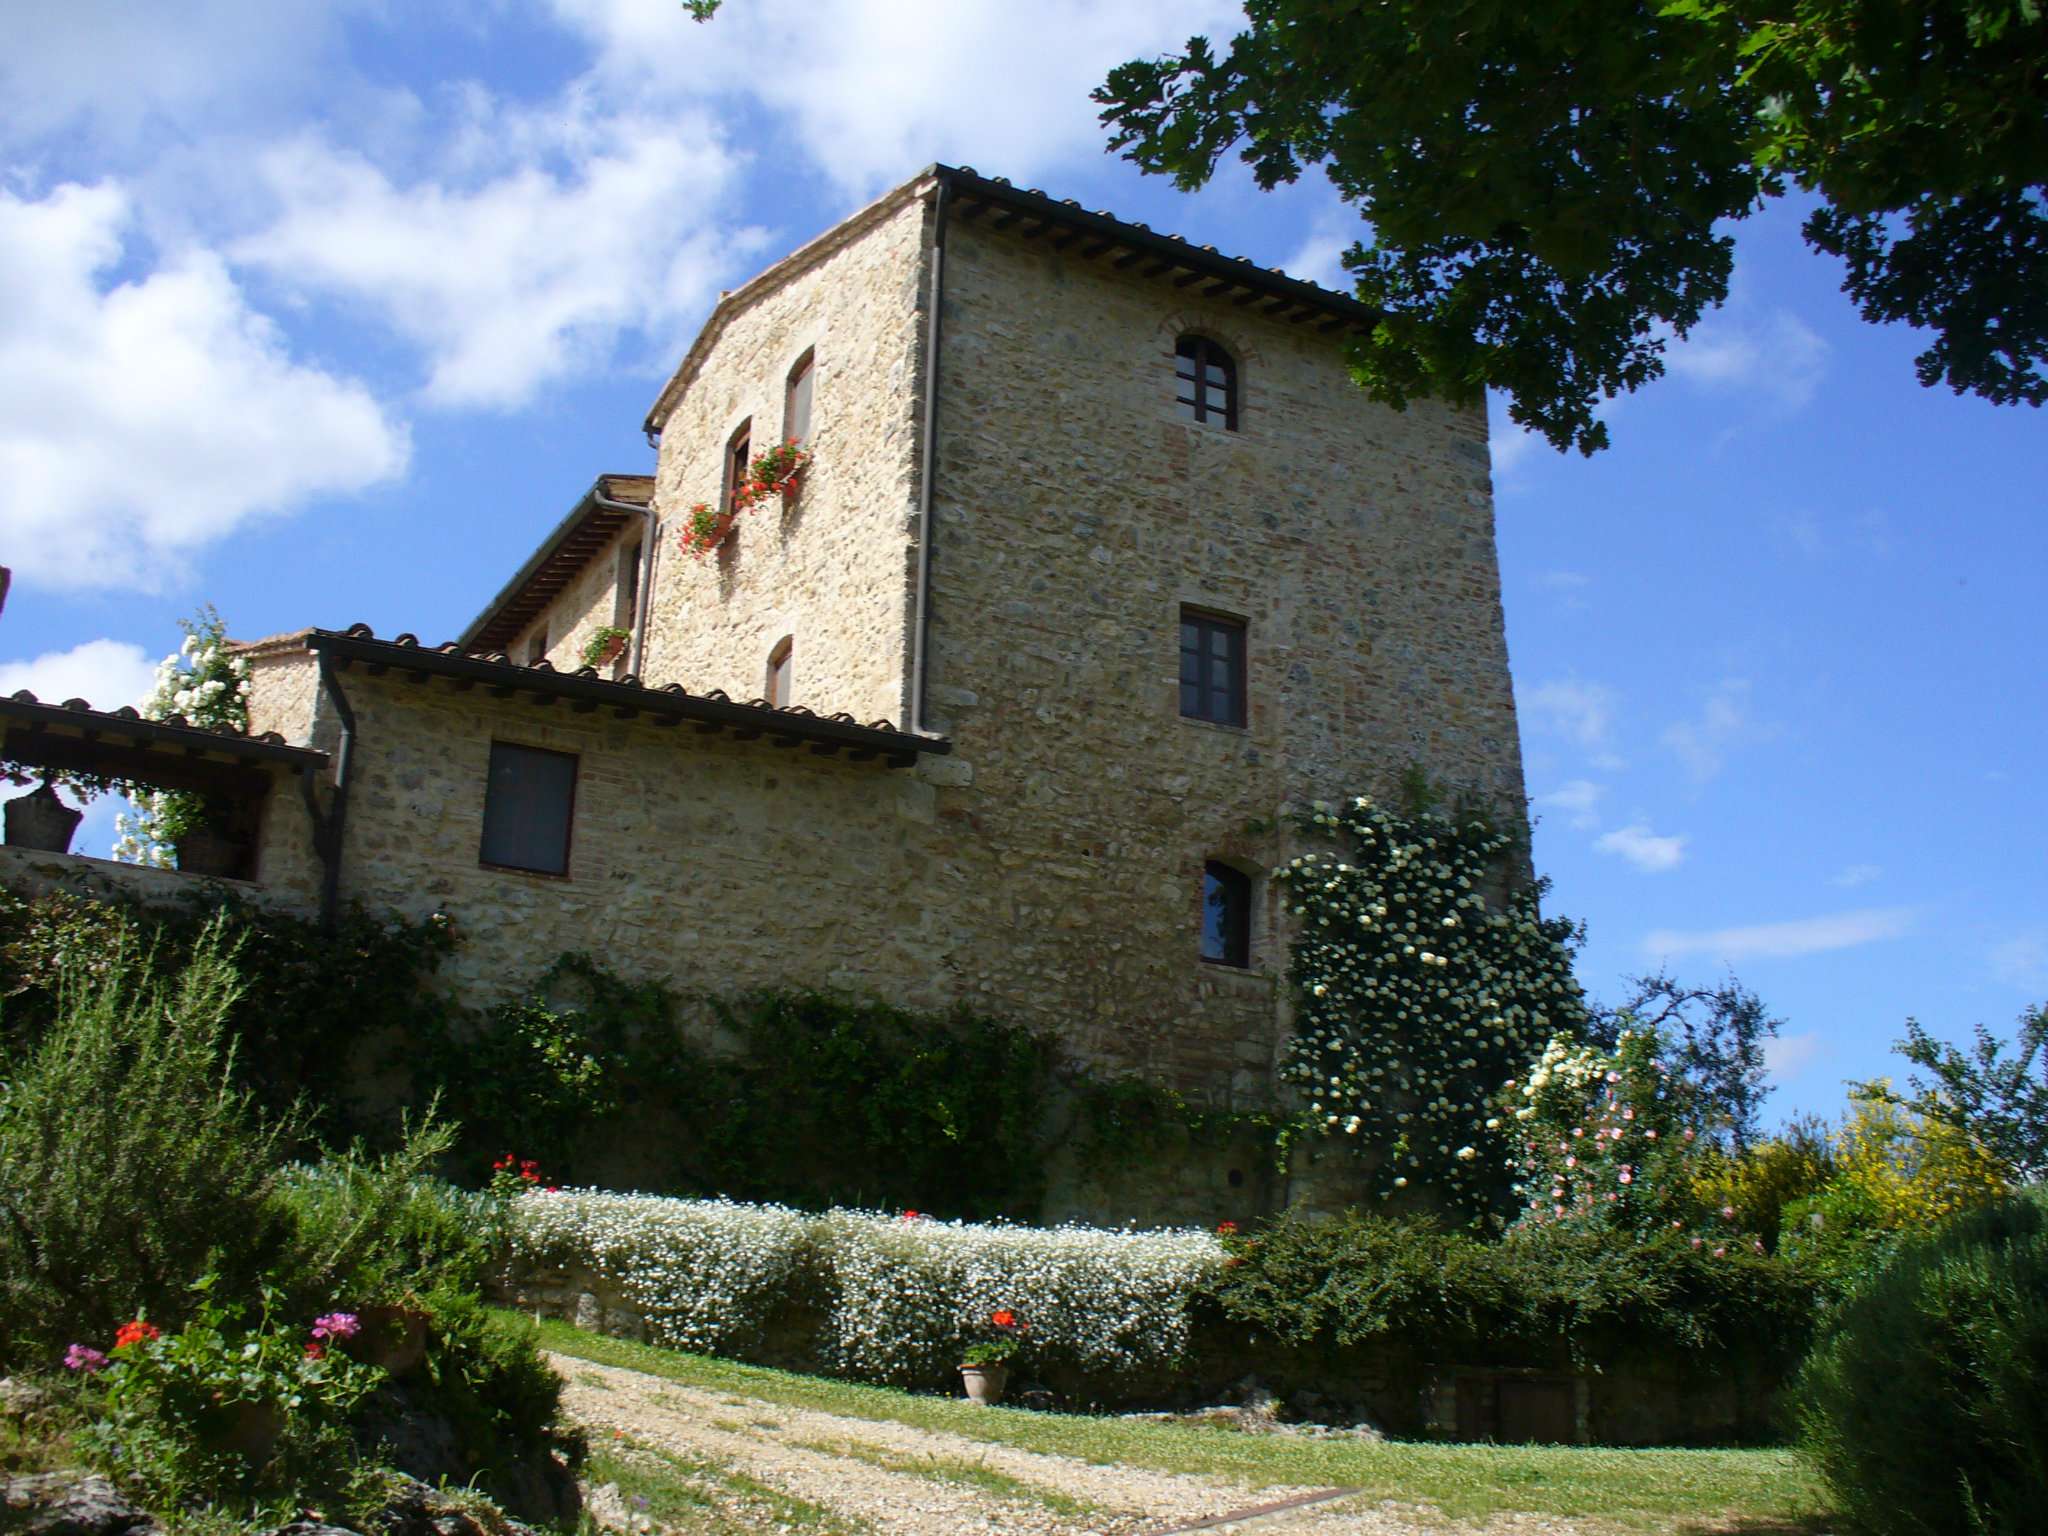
{"x":1235,"y":707}
{"x":1202,"y":369}
{"x":1235,"y":941}
{"x":804,"y":372}
{"x":568,"y":819}
{"x":739,"y":460}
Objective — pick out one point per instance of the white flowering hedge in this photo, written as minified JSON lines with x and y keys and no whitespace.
{"x":1419,"y":996}
{"x":706,"y":1274}
{"x":898,"y":1296}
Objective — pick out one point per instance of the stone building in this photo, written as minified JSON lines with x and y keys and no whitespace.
{"x":1101,"y":565}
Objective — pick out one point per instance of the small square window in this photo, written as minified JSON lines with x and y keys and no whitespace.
{"x":1226,"y":916}
{"x":529,"y":800}
{"x":1212,"y":675}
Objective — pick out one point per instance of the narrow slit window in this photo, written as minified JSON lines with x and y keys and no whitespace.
{"x":629,"y":587}
{"x":537,"y":645}
{"x":776,"y":689}
{"x":1207,"y":382}
{"x":796,"y":405}
{"x":1212,"y":668}
{"x":1226,"y":916}
{"x":529,"y":803}
{"x":739,"y":464}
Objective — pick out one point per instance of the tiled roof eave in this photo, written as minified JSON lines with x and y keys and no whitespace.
{"x":25,"y":709}
{"x":672,"y":704}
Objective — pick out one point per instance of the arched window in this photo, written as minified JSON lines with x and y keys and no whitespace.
{"x":1226,"y":915}
{"x":796,"y":401}
{"x":1207,"y":380}
{"x":776,"y":689}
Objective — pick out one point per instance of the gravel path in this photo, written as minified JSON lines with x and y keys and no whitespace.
{"x":860,"y":1475}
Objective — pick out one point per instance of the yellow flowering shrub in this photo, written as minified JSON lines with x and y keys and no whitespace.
{"x":1913,"y":1170}
{"x":1760,"y":1180}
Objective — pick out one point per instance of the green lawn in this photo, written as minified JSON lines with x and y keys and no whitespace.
{"x":1753,"y":1491}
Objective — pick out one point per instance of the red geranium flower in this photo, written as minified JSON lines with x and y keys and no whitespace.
{"x":136,"y":1332}
{"x":1226,"y":1228}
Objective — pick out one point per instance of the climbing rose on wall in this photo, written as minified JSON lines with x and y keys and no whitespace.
{"x":1418,"y":995}
{"x":202,"y":685}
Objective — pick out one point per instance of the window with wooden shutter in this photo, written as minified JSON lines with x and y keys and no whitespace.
{"x":529,"y":802}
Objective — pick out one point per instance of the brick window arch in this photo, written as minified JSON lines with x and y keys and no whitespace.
{"x":1205,"y":375}
{"x":775,"y":687}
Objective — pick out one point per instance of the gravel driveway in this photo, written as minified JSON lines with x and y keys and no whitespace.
{"x":757,"y":1461}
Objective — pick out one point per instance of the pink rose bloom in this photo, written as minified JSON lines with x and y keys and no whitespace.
{"x":1695,"y":1241}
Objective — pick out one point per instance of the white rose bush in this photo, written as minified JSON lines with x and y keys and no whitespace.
{"x":204,"y":685}
{"x":1420,"y":994}
{"x":898,"y":1296}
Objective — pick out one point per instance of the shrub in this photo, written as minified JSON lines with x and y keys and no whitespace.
{"x":909,"y":1295}
{"x":1540,"y":1295}
{"x":707,"y":1274}
{"x":129,"y":1163}
{"x":365,"y":1230}
{"x":219,"y":1410}
{"x":891,"y":1298}
{"x":1922,"y":1405}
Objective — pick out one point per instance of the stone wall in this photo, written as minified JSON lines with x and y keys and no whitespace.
{"x":707,"y":862}
{"x":1076,"y":514}
{"x":831,"y":570}
{"x":287,"y":874}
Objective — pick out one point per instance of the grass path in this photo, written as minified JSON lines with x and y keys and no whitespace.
{"x":749,"y":1449}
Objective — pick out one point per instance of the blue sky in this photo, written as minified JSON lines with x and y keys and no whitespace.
{"x":325,"y":312}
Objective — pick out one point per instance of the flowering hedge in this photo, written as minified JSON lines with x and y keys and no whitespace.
{"x":892,"y":1298}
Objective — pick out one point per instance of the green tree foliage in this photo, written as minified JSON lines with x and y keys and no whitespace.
{"x":1922,"y":1403}
{"x":1549,"y":186}
{"x":1999,"y":1097}
{"x":1713,"y":1040}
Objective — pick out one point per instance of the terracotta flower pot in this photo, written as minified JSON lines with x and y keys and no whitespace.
{"x":41,"y":821}
{"x":985,"y":1383}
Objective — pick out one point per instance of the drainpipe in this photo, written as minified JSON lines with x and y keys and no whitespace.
{"x":337,"y":811}
{"x":921,"y":629}
{"x":636,"y":655}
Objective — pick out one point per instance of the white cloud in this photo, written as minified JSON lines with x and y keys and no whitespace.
{"x":1703,"y":743}
{"x":1580,"y":711}
{"x":873,"y":90}
{"x":1576,"y":801}
{"x":1803,"y":936}
{"x":1774,"y":355}
{"x":583,"y":229}
{"x":141,"y":421}
{"x":1858,"y":874}
{"x":105,"y":673}
{"x":2022,"y":959}
{"x":1320,"y":257}
{"x":113,"y":72}
{"x":1643,"y":848}
{"x":1787,"y":1056}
